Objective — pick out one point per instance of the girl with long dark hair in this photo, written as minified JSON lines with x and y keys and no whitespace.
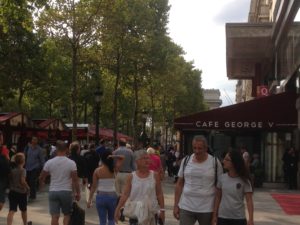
{"x":232,"y":188}
{"x":104,"y":183}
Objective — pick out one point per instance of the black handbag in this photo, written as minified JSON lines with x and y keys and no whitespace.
{"x":77,"y":215}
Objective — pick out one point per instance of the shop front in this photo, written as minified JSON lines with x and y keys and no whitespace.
{"x":265,"y":126}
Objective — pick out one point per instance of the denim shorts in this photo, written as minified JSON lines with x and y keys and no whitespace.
{"x":60,"y":200}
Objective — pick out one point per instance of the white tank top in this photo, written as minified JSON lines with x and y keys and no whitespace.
{"x":141,"y":187}
{"x":106,"y":185}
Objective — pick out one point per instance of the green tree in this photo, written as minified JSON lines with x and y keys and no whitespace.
{"x":21,"y":66}
{"x":77,"y":22}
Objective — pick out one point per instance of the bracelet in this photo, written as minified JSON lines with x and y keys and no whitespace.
{"x":162,"y":210}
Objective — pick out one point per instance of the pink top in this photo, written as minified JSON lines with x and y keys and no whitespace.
{"x":155,"y":163}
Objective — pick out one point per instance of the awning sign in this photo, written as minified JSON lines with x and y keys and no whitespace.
{"x":239,"y":124}
{"x":262,"y":91}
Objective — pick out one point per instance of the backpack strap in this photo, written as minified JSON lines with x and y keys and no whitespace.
{"x":185,"y":162}
{"x":216,"y":170}
{"x":187,"y":158}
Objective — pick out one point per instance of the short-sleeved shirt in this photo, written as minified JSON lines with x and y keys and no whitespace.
{"x":34,"y":158}
{"x":155,"y":163}
{"x":4,"y":151}
{"x":198,"y":192}
{"x":15,"y":180}
{"x":128,"y":164}
{"x":60,"y":169}
{"x":232,"y":201}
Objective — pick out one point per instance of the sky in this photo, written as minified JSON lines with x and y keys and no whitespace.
{"x":198,"y":26}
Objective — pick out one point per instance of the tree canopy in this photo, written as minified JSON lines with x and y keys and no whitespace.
{"x":54,"y":54}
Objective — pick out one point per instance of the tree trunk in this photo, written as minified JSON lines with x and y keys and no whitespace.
{"x":74,"y":91}
{"x":116,"y":96}
{"x":152,"y":111}
{"x":20,"y":99}
{"x":136,"y":108}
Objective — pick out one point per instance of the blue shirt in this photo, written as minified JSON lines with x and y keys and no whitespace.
{"x":34,"y":158}
{"x":100,"y":149}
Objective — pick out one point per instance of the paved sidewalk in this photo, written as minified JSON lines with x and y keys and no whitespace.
{"x":267,"y":211}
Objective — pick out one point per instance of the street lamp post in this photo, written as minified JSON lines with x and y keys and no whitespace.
{"x":1,"y":105}
{"x":166,"y":137}
{"x":143,"y":136}
{"x":98,"y":94}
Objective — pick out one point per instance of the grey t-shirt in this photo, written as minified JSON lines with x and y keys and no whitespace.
{"x":233,"y":192}
{"x":128,"y":163}
{"x":15,"y":180}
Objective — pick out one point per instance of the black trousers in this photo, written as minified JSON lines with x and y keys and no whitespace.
{"x":222,"y":221}
{"x":32,"y":180}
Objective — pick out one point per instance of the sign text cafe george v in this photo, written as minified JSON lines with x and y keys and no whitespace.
{"x":239,"y":124}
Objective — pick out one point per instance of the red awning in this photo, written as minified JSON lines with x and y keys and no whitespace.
{"x":274,"y":112}
{"x":108,"y":134}
{"x":7,"y":116}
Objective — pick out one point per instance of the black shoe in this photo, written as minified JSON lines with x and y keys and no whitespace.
{"x":29,"y":223}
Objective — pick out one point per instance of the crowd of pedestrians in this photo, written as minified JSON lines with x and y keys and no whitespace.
{"x":128,"y":182}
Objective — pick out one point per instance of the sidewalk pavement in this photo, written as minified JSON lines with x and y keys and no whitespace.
{"x":267,"y":210}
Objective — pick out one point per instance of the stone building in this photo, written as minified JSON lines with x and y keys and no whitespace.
{"x":212,"y":98}
{"x":264,"y":56}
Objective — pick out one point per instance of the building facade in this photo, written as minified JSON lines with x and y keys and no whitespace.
{"x":268,"y":64}
{"x":264,"y":56}
{"x":212,"y":98}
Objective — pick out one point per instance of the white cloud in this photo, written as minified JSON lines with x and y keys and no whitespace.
{"x":233,"y":11}
{"x":199,"y":27}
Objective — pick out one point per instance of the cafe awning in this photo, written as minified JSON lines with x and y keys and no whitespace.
{"x":108,"y":134}
{"x":17,"y":119}
{"x":51,"y":124}
{"x":272,"y":113}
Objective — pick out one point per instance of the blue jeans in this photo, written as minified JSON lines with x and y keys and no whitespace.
{"x":106,"y":205}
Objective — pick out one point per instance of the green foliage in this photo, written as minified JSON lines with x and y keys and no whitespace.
{"x":21,"y":66}
{"x":56,"y":62}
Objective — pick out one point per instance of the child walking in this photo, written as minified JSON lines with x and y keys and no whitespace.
{"x":18,"y":190}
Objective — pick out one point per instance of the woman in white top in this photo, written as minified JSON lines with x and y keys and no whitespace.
{"x":104,"y":182}
{"x":232,"y":188}
{"x":143,"y":185}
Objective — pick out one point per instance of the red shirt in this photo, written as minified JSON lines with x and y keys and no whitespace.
{"x":5,"y":152}
{"x":155,"y":163}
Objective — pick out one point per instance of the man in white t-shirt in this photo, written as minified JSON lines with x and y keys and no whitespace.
{"x":195,"y":187}
{"x":63,"y":181}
